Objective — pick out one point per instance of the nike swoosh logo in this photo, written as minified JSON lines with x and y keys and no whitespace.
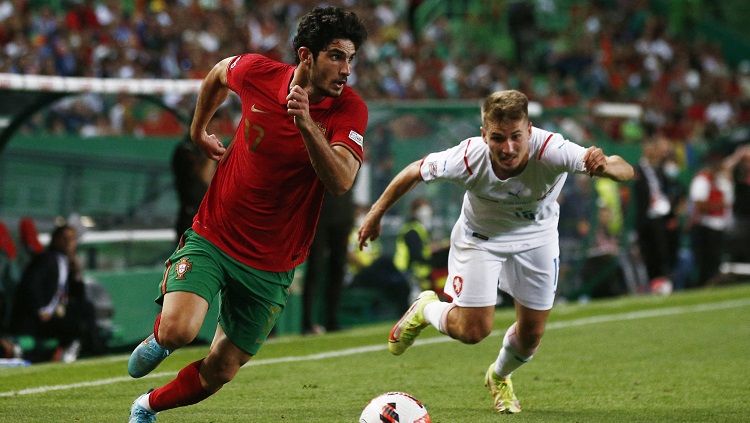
{"x":257,"y":110}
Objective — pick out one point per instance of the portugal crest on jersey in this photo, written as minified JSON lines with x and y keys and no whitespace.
{"x":182,"y":267}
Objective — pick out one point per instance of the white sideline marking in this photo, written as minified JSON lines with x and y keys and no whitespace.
{"x":619,"y":317}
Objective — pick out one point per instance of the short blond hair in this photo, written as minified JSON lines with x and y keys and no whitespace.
{"x":507,"y":105}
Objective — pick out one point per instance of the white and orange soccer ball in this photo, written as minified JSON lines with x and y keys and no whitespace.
{"x":393,"y":407}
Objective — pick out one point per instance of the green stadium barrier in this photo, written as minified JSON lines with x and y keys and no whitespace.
{"x":109,"y":178}
{"x":28,"y":343}
{"x":133,"y":293}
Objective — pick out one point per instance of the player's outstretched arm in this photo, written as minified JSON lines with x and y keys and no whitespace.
{"x":400,"y":185}
{"x":213,"y":92}
{"x":612,"y":167}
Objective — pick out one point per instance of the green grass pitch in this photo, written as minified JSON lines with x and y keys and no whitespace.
{"x":681,"y":358}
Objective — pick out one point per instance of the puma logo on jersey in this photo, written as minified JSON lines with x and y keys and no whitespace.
{"x":515,"y":194}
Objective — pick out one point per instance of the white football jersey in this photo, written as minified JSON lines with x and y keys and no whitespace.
{"x":513,"y":214}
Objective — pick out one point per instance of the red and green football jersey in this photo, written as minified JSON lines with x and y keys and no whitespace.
{"x":263,"y":203}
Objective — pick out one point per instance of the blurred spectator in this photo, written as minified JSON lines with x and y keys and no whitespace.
{"x":739,"y":236}
{"x":30,"y":247}
{"x":574,"y":228}
{"x":601,"y":268}
{"x":677,"y":195}
{"x":50,"y":300}
{"x":522,"y":28}
{"x":327,"y":263}
{"x":711,"y":197}
{"x":381,"y":139}
{"x":414,"y":246}
{"x":29,"y":237}
{"x":359,"y":259}
{"x":372,"y":271}
{"x":8,"y":275}
{"x":7,"y":245}
{"x":652,"y":209}
{"x":411,"y":12}
{"x":192,"y":171}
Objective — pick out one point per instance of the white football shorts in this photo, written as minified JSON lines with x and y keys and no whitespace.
{"x":475,"y":272}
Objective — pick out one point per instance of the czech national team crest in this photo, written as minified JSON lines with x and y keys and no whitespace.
{"x":182,"y":267}
{"x":458,"y":285}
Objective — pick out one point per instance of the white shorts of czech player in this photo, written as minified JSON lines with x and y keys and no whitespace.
{"x":475,"y":273}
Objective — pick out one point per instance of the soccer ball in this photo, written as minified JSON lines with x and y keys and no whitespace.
{"x":393,"y":407}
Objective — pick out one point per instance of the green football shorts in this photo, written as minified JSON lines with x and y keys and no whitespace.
{"x":251,"y":299}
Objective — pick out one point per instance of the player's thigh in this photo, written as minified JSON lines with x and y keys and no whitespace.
{"x":193,"y":277}
{"x":472,"y":274}
{"x":532,"y":275}
{"x":182,"y":316}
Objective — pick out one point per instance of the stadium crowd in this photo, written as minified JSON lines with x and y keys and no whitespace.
{"x":559,"y":56}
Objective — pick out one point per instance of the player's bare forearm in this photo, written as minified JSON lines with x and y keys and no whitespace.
{"x":618,"y":169}
{"x":336,"y":166}
{"x":400,"y":185}
{"x":212,"y":94}
{"x":597,"y":163}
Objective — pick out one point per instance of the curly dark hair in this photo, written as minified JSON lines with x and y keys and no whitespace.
{"x":322,"y":25}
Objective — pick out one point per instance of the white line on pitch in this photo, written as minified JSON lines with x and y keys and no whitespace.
{"x":619,"y":317}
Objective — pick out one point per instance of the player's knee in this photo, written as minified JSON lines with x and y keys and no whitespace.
{"x":175,"y":336}
{"x":474,"y":334}
{"x":470,"y":328}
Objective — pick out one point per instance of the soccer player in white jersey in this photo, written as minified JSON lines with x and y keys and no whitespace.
{"x":506,"y":234}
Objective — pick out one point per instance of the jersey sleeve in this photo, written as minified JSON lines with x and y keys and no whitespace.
{"x":562,"y":154}
{"x":238,"y":70}
{"x":453,"y":165}
{"x":349,"y":130}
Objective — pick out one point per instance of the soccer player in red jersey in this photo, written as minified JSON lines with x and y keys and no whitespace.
{"x":301,"y":133}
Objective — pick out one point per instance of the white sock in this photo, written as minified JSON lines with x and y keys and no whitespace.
{"x":437,"y":314}
{"x":143,"y":402}
{"x":509,"y":358}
